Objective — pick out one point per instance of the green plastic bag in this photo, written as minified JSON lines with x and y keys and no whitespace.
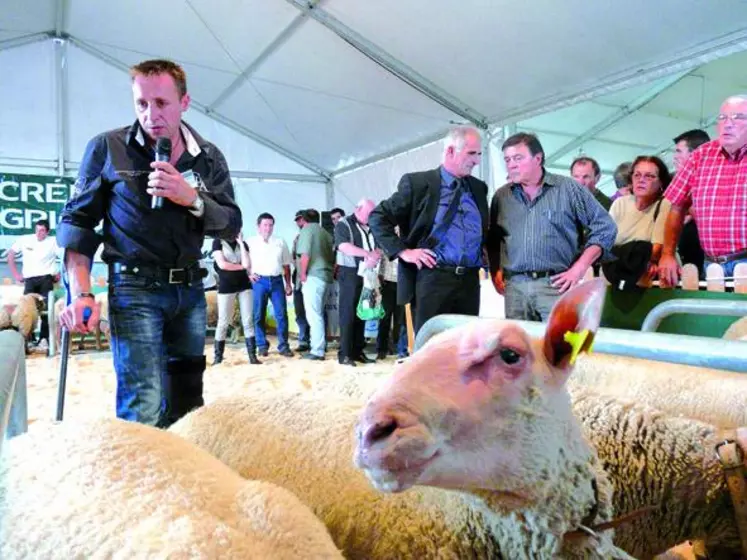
{"x":370,"y":305}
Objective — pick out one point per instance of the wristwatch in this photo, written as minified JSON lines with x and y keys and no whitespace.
{"x":198,"y":206}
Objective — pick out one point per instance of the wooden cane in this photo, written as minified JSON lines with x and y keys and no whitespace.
{"x":410,"y":328}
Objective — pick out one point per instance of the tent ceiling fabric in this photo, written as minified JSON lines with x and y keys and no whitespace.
{"x":26,"y":18}
{"x":203,"y":83}
{"x":334,"y":105}
{"x":272,"y":69}
{"x":534,"y":53}
{"x":32,"y":87}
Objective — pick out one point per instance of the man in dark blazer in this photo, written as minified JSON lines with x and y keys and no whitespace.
{"x":443,"y":219}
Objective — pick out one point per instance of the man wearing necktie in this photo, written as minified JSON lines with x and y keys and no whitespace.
{"x":443,"y":218}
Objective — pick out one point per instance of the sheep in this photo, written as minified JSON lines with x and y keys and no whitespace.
{"x":22,"y":315}
{"x":25,"y":314}
{"x":305,"y":445}
{"x":117,"y":489}
{"x":667,"y":462}
{"x":211,"y":300}
{"x":714,"y":396}
{"x":5,"y":320}
{"x":737,"y":330}
{"x":495,"y":425}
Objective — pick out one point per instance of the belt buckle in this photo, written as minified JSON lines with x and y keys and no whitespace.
{"x":460,"y":270}
{"x":175,"y":271}
{"x":534,"y":274}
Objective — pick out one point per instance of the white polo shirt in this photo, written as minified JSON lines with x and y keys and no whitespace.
{"x":268,"y":257}
{"x":39,"y":257}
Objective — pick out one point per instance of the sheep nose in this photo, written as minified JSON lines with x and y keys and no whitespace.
{"x":379,"y":430}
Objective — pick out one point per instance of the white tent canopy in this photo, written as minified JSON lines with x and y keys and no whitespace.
{"x":306,"y":90}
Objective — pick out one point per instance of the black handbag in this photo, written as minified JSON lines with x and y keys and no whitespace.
{"x":630,"y":263}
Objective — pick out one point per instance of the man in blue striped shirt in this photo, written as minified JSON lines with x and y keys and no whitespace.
{"x":536,"y":222}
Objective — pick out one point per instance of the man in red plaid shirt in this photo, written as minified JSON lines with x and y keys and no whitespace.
{"x":713,"y":181}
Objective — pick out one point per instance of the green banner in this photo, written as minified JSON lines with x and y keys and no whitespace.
{"x":24,"y":199}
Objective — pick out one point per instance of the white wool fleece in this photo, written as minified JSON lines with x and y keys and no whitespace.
{"x":116,"y":489}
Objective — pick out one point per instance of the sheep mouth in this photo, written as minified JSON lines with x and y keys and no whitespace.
{"x":389,"y":473}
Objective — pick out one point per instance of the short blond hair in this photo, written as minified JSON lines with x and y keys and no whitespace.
{"x":158,"y":66}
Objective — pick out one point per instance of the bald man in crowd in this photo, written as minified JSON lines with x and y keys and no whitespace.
{"x":356,"y":250}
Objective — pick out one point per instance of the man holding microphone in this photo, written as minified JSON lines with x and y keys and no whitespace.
{"x":152,"y":247}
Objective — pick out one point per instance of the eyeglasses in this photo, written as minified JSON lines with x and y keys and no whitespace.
{"x":736,"y":118}
{"x":647,"y":176}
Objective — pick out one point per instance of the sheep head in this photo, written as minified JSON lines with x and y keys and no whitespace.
{"x":481,"y":406}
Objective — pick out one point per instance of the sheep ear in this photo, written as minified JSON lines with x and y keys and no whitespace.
{"x":573,"y":322}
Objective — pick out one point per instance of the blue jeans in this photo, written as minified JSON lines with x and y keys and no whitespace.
{"x":270,"y":288}
{"x":728,"y":266}
{"x":314,"y":295}
{"x":299,"y":307}
{"x":157,"y":329}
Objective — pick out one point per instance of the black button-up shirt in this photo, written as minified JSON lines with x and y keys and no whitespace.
{"x":111,"y":186}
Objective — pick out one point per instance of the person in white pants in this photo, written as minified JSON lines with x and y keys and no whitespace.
{"x":316,"y":265}
{"x":233,"y":266}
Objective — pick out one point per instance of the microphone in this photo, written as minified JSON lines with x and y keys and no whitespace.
{"x":163,"y":153}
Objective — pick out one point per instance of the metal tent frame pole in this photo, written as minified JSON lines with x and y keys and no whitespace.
{"x":391,"y":64}
{"x":276,"y":43}
{"x":617,"y":116}
{"x":689,"y":59}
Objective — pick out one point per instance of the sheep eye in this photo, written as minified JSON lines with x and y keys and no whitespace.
{"x":510,"y":356}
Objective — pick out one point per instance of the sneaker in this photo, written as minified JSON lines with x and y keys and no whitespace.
{"x":310,"y":356}
{"x":43,"y":345}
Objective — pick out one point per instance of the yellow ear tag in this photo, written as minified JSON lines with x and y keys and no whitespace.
{"x":576,"y":340}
